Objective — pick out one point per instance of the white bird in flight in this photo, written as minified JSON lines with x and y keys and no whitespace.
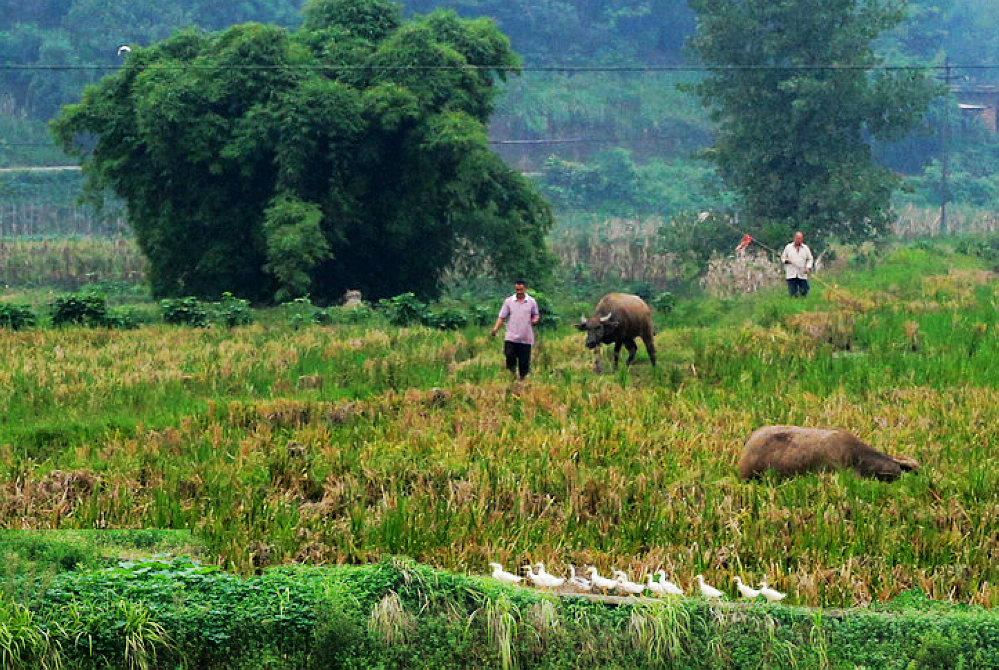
{"x":124,"y":49}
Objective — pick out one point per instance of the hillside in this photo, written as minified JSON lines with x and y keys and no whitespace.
{"x":51,"y":50}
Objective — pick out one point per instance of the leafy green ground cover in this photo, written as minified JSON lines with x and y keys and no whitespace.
{"x":52,"y":552}
{"x":178,"y":613}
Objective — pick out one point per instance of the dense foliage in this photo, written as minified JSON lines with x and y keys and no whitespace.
{"x":350,"y":154}
{"x":582,"y":31}
{"x":61,"y":45}
{"x":795,"y":103}
{"x":395,"y":613}
{"x":57,"y":47}
{"x":16,"y":316}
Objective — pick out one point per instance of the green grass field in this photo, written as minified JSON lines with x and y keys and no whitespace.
{"x":348,"y":443}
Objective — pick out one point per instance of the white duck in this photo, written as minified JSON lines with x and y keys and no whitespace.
{"x":663,"y":588}
{"x":502,"y":575}
{"x":626,"y":585}
{"x":772,"y":595}
{"x":602,"y":583}
{"x":580,"y":582}
{"x":669,"y":588}
{"x":546,"y":580}
{"x":744,"y":589}
{"x":707,"y":590}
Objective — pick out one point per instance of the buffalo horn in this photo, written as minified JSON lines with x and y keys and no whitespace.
{"x":607,"y":317}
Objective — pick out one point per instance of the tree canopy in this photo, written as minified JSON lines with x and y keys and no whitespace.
{"x":797,"y":94}
{"x":350,"y":153}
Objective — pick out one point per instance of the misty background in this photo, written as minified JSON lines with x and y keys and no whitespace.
{"x":596,"y":118}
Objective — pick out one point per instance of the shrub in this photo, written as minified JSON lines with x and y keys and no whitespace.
{"x":664,"y":302}
{"x":446,"y":318}
{"x":116,"y":289}
{"x":938,"y":650}
{"x":403,"y":310}
{"x":122,"y":318}
{"x":480,"y":315}
{"x":184,"y":312}
{"x":16,"y":317}
{"x":985,"y":247}
{"x":231,"y":311}
{"x":549,"y":317}
{"x":78,"y":308}
{"x":642,"y":289}
{"x":301,"y":311}
{"x":361,"y":313}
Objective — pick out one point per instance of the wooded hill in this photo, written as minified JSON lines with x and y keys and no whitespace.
{"x":605,"y":127}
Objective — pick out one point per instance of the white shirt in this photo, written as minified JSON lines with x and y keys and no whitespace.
{"x":795,"y":261}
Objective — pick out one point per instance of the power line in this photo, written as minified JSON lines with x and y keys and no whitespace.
{"x":592,"y":140}
{"x":14,"y":67}
{"x":42,"y":168}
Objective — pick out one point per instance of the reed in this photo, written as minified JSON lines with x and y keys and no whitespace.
{"x":70,"y":262}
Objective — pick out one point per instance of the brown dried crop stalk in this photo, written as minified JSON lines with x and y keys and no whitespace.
{"x":915,"y":221}
{"x":624,"y":249}
{"x":743,"y":273}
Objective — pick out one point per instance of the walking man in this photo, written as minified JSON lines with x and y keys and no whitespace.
{"x":797,"y":258}
{"x":520,"y":311}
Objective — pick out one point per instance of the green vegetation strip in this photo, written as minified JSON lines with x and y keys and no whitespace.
{"x":178,"y":613}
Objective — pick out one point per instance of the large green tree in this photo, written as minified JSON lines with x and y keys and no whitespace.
{"x":798,"y":93}
{"x":351,"y":153}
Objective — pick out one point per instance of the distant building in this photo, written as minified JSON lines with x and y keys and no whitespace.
{"x":979,"y":102}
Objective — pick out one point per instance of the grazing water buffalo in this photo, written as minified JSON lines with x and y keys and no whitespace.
{"x":791,"y":450}
{"x":620,"y":318}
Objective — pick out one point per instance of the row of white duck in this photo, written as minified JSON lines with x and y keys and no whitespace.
{"x":622,"y":584}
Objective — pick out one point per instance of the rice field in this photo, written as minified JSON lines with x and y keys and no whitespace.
{"x":344,"y":444}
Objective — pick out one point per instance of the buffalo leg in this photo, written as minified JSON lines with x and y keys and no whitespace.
{"x":650,"y":346}
{"x":617,"y":353}
{"x":632,"y":350}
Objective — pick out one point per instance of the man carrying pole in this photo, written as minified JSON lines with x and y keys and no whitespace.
{"x":797,"y":259}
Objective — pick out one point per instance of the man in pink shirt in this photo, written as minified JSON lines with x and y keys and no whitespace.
{"x":521,"y":313}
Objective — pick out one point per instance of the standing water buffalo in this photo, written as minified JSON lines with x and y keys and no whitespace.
{"x":620,"y":318}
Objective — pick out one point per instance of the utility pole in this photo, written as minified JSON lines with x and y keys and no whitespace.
{"x":945,"y":151}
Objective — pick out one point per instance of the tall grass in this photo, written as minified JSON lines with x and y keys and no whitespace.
{"x":412,"y":444}
{"x":69,"y":262}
